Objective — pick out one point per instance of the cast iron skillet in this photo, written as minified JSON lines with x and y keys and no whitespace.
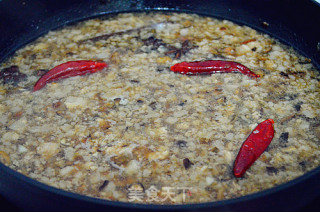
{"x":295,"y":23}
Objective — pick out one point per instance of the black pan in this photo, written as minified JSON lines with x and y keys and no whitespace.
{"x":294,"y":22}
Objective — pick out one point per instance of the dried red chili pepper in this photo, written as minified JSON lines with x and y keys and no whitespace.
{"x":212,"y":66}
{"x":69,"y":69}
{"x":253,"y":147}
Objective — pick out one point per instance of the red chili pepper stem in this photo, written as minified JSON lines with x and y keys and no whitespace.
{"x":69,"y":69}
{"x":253,"y":147}
{"x":212,"y":66}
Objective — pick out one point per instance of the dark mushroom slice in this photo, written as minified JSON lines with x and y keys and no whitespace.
{"x":12,"y":75}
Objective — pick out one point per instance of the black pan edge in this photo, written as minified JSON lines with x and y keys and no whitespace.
{"x":265,"y":16}
{"x":218,"y":205}
{"x":308,"y":180}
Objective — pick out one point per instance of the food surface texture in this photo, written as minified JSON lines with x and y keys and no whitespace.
{"x":136,"y":131}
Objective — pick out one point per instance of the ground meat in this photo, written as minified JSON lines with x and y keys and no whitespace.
{"x":139,"y":132}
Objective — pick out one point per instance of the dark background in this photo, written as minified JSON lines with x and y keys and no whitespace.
{"x":22,"y":21}
{"x":313,"y":206}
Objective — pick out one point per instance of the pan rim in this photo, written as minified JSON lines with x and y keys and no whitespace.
{"x":104,"y":202}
